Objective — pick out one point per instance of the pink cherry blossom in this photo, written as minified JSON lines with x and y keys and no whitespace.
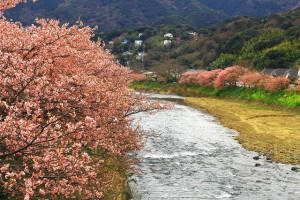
{"x":229,"y":76}
{"x":61,"y":95}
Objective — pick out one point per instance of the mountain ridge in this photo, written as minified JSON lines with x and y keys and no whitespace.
{"x":117,"y":14}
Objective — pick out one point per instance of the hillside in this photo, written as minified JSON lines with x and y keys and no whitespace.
{"x":271,"y":42}
{"x":116,"y":14}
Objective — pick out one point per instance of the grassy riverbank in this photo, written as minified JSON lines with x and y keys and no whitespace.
{"x":282,"y":98}
{"x":269,"y":123}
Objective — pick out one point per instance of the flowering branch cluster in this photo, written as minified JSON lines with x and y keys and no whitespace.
{"x":63,"y":102}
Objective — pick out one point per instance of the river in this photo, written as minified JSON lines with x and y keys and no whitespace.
{"x":189,"y":155}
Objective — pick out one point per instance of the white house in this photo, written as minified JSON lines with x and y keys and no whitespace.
{"x":192,"y":33}
{"x":169,"y":35}
{"x":282,"y":72}
{"x":138,"y":43}
{"x":127,"y":53}
{"x":167,"y":43}
{"x":140,"y":55}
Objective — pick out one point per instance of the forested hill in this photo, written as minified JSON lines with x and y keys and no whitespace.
{"x":271,"y":42}
{"x":116,"y":14}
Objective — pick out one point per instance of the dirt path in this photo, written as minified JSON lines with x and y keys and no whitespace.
{"x":274,"y":133}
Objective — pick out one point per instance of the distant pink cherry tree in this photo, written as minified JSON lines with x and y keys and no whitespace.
{"x":275,"y":83}
{"x":229,"y":76}
{"x":64,"y":104}
{"x":189,"y":78}
{"x":252,"y":79}
{"x":207,"y":78}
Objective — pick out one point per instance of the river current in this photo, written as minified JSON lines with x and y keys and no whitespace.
{"x":189,"y":155}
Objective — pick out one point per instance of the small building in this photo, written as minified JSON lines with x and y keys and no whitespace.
{"x":140,"y":55}
{"x":127,"y":53}
{"x":279,"y":72}
{"x":138,"y":43}
{"x":167,"y":43}
{"x":169,"y":35}
{"x":125,"y":41}
{"x":192,"y":33}
{"x":292,"y":74}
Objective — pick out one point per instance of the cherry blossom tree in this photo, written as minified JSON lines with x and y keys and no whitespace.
{"x":252,"y":79}
{"x":64,"y":105}
{"x":189,"y":78}
{"x":275,"y":83}
{"x":207,"y":78}
{"x":6,"y":4}
{"x":229,"y":76}
{"x":203,"y":78}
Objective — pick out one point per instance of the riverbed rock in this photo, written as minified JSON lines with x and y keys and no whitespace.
{"x":295,"y":169}
{"x":256,"y":158}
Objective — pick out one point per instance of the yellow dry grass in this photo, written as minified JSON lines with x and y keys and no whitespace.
{"x":272,"y":132}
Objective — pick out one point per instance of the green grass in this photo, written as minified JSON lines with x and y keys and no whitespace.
{"x":150,"y":85}
{"x":284,"y":98}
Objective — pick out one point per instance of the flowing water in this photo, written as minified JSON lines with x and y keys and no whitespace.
{"x":189,"y":155}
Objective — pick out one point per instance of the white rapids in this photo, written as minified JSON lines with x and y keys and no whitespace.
{"x":191,"y":156}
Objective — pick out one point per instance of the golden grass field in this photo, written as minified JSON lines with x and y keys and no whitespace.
{"x":272,"y":132}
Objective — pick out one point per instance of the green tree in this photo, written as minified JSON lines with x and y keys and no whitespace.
{"x":223,"y":61}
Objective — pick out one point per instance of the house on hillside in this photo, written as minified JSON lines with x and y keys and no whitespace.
{"x":127,"y":53}
{"x":292,"y":74}
{"x":138,"y":43}
{"x":169,"y":35}
{"x":140,"y":56}
{"x":192,"y":33}
{"x":125,"y":41}
{"x":167,"y":43}
{"x":267,"y":71}
{"x":279,"y":72}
